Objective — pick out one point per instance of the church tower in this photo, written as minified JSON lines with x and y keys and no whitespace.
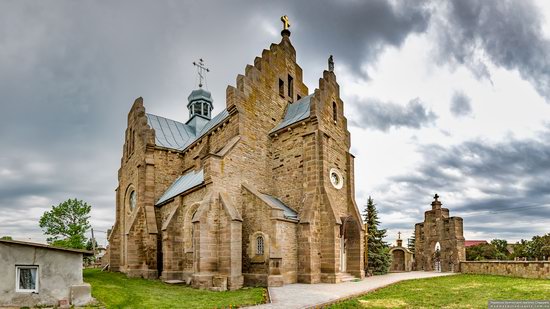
{"x":200,"y":102}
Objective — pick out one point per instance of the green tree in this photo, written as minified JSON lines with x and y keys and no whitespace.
{"x":6,"y":238}
{"x":67,"y":223}
{"x":379,"y":258}
{"x":539,"y":247}
{"x":481,"y":252}
{"x":501,"y":248}
{"x":411,"y":243}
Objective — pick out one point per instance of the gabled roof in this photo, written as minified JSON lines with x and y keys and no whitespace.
{"x":295,"y":112}
{"x":470,"y":243}
{"x":33,"y":244}
{"x":176,"y":135}
{"x":289,"y":213}
{"x":183,"y":183}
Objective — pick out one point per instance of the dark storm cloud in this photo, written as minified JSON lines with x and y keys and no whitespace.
{"x":511,"y":177}
{"x":460,"y":104}
{"x":356,"y":32}
{"x":385,"y":115}
{"x":69,"y":72}
{"x":509,"y":33}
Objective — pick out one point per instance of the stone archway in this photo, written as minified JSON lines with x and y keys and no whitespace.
{"x":398,"y":260}
{"x":350,"y":247}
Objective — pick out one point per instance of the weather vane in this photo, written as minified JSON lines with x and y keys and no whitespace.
{"x":201,"y":70}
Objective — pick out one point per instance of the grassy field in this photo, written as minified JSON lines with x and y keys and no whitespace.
{"x":115,"y":290}
{"x":459,"y":291}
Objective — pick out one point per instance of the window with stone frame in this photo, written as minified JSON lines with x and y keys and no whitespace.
{"x":260,"y":245}
{"x":281,"y":88}
{"x":26,"y":280}
{"x":334,"y":111}
{"x":132,"y":200}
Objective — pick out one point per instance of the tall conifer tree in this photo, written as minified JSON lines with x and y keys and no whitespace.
{"x":379,"y":258}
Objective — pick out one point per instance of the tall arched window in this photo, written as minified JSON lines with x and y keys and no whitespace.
{"x":132,"y":200}
{"x":334,"y":111}
{"x":259,"y":245}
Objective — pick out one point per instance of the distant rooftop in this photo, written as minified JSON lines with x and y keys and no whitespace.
{"x":470,"y":243}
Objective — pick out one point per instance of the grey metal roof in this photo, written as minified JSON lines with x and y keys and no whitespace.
{"x":289,"y":213}
{"x":182,"y":184}
{"x":295,"y":112}
{"x":176,"y":135}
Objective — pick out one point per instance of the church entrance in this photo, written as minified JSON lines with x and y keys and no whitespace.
{"x":343,"y":255}
{"x":398,"y":260}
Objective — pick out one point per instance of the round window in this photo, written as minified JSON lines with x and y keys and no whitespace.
{"x":132,"y":200}
{"x":336,"y":178}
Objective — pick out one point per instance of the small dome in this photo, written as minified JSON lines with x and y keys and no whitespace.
{"x":200,"y":94}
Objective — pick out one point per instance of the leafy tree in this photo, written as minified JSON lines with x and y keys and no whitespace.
{"x":379,"y":258}
{"x":90,"y":244}
{"x":539,"y":247}
{"x":501,"y":248}
{"x":481,"y":252}
{"x":6,"y":238}
{"x":67,"y":223}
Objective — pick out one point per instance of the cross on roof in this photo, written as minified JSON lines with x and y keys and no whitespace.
{"x":436,"y":197}
{"x":201,"y":69}
{"x":398,"y":235}
{"x":285,"y":21}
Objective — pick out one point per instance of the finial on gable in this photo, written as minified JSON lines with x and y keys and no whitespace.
{"x":286,"y":25}
{"x":330,"y":64}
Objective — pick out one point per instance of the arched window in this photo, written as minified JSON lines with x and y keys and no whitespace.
{"x":334,"y":111}
{"x":132,"y":200}
{"x":259,"y":245}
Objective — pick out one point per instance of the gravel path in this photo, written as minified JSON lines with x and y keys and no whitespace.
{"x":301,"y":295}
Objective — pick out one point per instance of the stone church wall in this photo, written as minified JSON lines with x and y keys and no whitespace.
{"x":287,"y":165}
{"x":527,"y":269}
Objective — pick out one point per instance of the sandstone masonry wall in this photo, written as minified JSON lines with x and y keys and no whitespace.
{"x":527,"y":269}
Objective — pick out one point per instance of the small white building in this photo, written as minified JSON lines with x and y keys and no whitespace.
{"x":34,"y":274}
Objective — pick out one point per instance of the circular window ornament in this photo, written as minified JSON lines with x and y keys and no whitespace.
{"x":336,"y":178}
{"x":133,"y":199}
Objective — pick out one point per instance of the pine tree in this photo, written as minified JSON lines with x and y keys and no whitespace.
{"x":411,"y":243}
{"x":379,"y":258}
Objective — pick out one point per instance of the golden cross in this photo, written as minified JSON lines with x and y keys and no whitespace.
{"x":285,"y":21}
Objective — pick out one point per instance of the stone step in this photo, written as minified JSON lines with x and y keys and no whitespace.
{"x":347,"y":277}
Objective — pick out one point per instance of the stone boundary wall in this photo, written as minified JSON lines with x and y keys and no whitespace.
{"x":523,"y":269}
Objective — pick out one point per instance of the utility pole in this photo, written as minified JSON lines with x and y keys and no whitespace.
{"x":93,"y":241}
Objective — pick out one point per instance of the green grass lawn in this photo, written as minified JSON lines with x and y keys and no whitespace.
{"x":458,"y":291}
{"x":115,"y":290}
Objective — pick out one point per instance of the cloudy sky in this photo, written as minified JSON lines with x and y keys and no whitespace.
{"x":448,"y":97}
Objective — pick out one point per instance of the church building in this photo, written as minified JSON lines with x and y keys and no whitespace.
{"x":261,"y":194}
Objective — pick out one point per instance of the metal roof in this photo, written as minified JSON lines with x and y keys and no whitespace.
{"x":182,"y":184}
{"x":199,"y":94}
{"x":289,"y":213}
{"x":176,"y":135}
{"x":295,"y":112}
{"x":33,"y":244}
